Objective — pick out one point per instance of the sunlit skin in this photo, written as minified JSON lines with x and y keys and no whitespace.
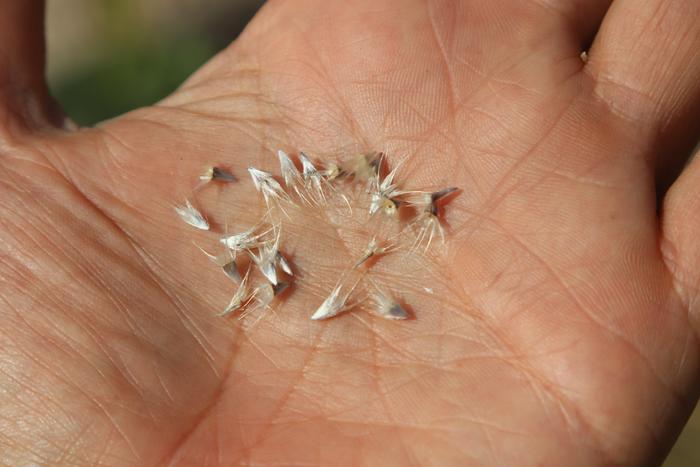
{"x":563,"y":319}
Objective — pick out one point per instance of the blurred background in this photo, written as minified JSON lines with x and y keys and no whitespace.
{"x":106,"y":57}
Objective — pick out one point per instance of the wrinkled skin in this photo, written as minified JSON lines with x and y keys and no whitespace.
{"x":563,"y":325}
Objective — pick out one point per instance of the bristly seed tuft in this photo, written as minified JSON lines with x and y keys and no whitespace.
{"x":313,"y":179}
{"x":385,"y":195}
{"x":191,"y":216}
{"x":314,"y":185}
{"x":427,"y":219}
{"x":268,"y":258}
{"x":240,"y":298}
{"x":335,"y":303}
{"x":246,"y":240}
{"x":290,"y":175}
{"x":266,"y":184}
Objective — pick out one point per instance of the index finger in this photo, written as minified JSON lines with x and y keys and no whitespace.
{"x":24,"y":97}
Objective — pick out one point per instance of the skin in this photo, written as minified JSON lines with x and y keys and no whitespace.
{"x":563,"y":324}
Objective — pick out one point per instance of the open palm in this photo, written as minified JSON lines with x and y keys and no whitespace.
{"x":562,"y":324}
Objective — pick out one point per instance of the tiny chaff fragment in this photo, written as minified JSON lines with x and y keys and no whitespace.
{"x":231,"y":270}
{"x":388,"y":308}
{"x":219,"y":260}
{"x":267,"y":292}
{"x":333,"y":171}
{"x":217,"y":174}
{"x":284,"y":264}
{"x":373,"y":249}
{"x":364,"y":167}
{"x":436,"y":196}
{"x":264,"y":295}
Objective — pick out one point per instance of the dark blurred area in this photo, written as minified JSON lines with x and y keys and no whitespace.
{"x":107,"y":57}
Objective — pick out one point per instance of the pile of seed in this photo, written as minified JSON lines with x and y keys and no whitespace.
{"x":313,"y":186}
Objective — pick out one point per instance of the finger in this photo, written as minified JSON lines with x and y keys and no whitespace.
{"x":582,"y":17}
{"x":24,"y":97}
{"x":645,"y":61}
{"x":681,"y":242}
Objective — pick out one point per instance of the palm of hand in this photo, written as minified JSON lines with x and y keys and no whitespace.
{"x":556,"y":332}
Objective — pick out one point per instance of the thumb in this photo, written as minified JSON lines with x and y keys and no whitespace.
{"x":24,"y":98}
{"x":681,"y":236}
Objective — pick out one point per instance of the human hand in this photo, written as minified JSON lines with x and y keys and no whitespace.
{"x":563,"y":324}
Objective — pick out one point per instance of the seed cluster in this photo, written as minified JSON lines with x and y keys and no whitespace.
{"x":313,"y":186}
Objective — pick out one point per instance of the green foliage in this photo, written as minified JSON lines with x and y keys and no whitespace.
{"x":130,"y":75}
